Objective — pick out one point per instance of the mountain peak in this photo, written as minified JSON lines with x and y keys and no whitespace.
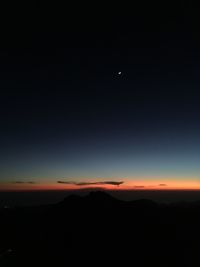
{"x":100,"y":195}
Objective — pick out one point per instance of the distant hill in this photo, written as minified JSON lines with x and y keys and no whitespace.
{"x":104,"y":200}
{"x":97,"y":229}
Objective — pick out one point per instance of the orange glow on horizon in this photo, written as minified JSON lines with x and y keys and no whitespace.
{"x":164,"y":184}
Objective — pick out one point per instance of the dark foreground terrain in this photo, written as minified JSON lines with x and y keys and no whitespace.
{"x":99,"y":229}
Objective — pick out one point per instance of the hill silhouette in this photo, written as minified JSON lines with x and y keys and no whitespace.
{"x":94,"y":198}
{"x":98,"y":229}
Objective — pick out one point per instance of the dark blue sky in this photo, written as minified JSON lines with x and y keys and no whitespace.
{"x":65,"y":111}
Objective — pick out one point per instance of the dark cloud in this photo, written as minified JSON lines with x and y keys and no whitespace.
{"x":113,"y":182}
{"x":84,"y":183}
{"x":100,"y":183}
{"x":64,"y":182}
{"x":162,"y":184}
{"x":117,"y":183}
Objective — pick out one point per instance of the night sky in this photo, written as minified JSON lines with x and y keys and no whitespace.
{"x":114,"y":98}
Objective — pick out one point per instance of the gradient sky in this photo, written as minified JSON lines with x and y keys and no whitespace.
{"x":66,"y":113}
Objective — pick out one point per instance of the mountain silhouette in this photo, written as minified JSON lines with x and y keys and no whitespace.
{"x":95,"y":199}
{"x":105,"y":200}
{"x":100,"y":196}
{"x":100,"y":227}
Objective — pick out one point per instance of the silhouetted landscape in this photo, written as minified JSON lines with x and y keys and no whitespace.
{"x":98,"y":228}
